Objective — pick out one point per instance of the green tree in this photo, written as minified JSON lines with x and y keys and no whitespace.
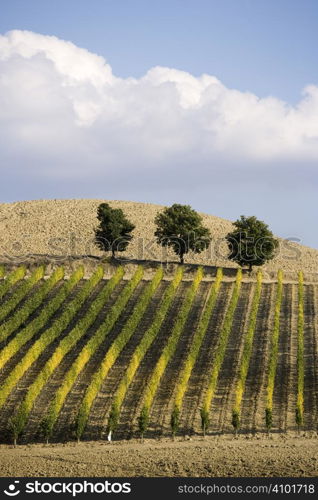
{"x":143,"y":422}
{"x":174,"y":421}
{"x":205,"y":420}
{"x":15,"y":426}
{"x":114,"y":230}
{"x":46,"y":428}
{"x":180,"y":227}
{"x":236,"y":421}
{"x":251,"y":243}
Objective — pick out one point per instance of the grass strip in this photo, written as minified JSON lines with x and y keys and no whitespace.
{"x":220,"y":350}
{"x":21,"y":292}
{"x":22,"y":313}
{"x":87,"y":352}
{"x":200,"y":333}
{"x":168,"y":352}
{"x":273,"y":353}
{"x":300,"y":353}
{"x":141,"y":350}
{"x":113,"y":353}
{"x":16,"y":275}
{"x":246,"y":355}
{"x":65,"y":346}
{"x":40,"y":321}
{"x":49,"y":336}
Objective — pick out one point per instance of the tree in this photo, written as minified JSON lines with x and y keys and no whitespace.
{"x":46,"y":428}
{"x":180,"y":227}
{"x":236,"y":421}
{"x":15,"y":426}
{"x":143,"y":422}
{"x":205,"y":420}
{"x":268,"y":419}
{"x":174,"y":421}
{"x":113,"y":232}
{"x":251,"y":243}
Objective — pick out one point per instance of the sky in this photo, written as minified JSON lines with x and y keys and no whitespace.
{"x":212,"y":103}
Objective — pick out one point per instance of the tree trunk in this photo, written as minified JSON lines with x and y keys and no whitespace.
{"x":181,"y":258}
{"x":15,"y":442}
{"x":113,"y":253}
{"x":250,"y":267}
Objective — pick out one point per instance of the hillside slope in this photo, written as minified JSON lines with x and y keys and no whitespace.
{"x":54,"y":354}
{"x":66,"y":227}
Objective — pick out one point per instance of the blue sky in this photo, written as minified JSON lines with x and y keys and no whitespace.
{"x":266,"y":46}
{"x":223,"y":146}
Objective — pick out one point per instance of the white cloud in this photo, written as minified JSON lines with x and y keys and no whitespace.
{"x":62,"y":112}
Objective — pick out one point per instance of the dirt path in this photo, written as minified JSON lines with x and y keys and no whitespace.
{"x":224,"y":457}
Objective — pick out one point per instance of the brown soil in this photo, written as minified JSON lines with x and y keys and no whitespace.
{"x":277,"y":456}
{"x":59,"y":228}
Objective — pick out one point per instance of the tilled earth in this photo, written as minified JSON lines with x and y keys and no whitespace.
{"x":56,"y":228}
{"x":277,"y":456}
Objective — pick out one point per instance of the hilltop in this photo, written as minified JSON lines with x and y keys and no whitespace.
{"x":57,"y":228}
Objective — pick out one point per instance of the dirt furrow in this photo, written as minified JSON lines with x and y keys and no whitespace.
{"x":222,"y":403}
{"x":255,"y":380}
{"x":189,"y":418}
{"x":73,"y":401}
{"x":19,"y":355}
{"x":292,"y":363}
{"x":159,"y":422}
{"x":26,"y":380}
{"x":133,"y":400}
{"x":57,"y":378}
{"x":310,"y":360}
{"x":12,"y":292}
{"x":281,"y":387}
{"x":99,"y":415}
{"x":36,"y":311}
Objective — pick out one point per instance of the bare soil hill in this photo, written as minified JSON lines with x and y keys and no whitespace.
{"x":62,"y":228}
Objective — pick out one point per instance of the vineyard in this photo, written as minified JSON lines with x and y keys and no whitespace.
{"x":117,"y":357}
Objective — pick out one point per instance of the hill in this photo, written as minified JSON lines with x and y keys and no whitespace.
{"x":57,"y":228}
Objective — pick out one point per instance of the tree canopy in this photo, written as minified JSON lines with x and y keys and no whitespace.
{"x":114,"y":230}
{"x":180,"y":227}
{"x":251,"y":243}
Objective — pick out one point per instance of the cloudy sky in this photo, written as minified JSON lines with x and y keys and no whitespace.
{"x":213,"y":103}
